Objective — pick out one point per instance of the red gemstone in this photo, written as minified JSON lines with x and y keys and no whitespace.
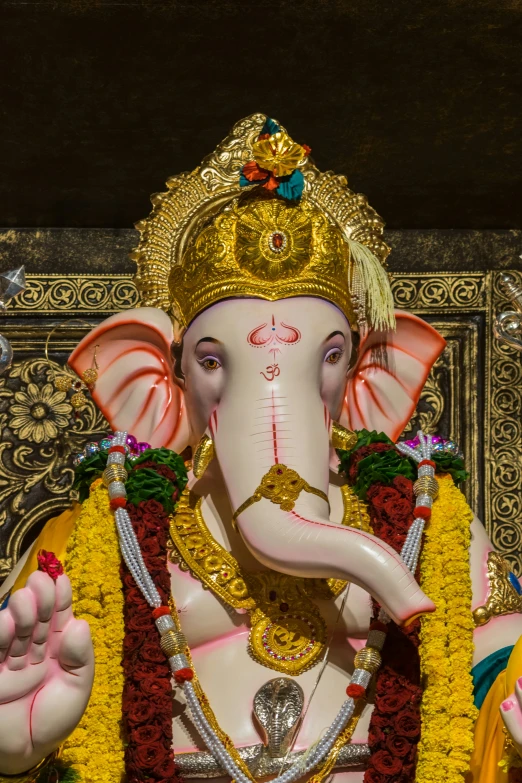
{"x":277,"y":240}
{"x":284,"y":606}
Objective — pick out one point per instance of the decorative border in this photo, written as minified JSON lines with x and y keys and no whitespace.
{"x":71,"y":294}
{"x":503,"y":436}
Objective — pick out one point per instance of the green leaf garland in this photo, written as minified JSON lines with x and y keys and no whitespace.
{"x":146,"y":484}
{"x":169,"y":458}
{"x":382,"y":466}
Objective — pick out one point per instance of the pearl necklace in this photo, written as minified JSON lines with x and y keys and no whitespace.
{"x":173,"y":642}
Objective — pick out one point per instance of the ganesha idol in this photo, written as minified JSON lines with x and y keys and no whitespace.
{"x":261,"y":580}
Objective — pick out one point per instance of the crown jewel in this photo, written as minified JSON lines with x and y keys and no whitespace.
{"x":258,"y":219}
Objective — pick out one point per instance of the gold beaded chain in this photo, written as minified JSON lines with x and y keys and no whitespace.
{"x":288,"y":632}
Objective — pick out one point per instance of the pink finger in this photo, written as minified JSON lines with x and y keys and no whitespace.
{"x":16,"y":662}
{"x":7,"y":631}
{"x":76,"y":647}
{"x":512,"y":717}
{"x":37,"y":652}
{"x":22,"y":606}
{"x":63,"y":603}
{"x":44,"y":591}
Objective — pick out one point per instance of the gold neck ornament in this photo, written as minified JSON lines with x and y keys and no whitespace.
{"x":288,"y":632}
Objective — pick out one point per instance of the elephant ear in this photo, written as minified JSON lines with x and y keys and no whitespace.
{"x":382,"y":394}
{"x":135,"y":389}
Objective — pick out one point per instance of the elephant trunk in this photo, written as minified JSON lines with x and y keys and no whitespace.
{"x":253,"y":433}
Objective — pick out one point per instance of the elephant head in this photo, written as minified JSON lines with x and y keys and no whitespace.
{"x":265,"y":380}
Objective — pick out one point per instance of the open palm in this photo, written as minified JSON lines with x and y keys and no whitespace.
{"x":46,"y":671}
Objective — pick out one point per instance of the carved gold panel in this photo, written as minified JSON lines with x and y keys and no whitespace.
{"x":473,"y":395}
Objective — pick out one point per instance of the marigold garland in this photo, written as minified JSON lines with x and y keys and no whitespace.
{"x":448,"y":713}
{"x":92,"y":562}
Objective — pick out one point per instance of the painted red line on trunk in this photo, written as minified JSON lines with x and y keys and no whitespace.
{"x":274,"y":431}
{"x":366,"y":536}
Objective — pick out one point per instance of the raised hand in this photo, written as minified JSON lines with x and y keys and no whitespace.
{"x":511,"y":711}
{"x":46,"y":671}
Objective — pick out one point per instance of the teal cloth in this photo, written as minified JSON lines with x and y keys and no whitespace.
{"x":486,"y":672}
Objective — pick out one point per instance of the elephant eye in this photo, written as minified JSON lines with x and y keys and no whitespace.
{"x":333,"y":356}
{"x":210,"y":363}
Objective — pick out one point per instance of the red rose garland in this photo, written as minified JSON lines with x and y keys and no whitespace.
{"x":147,"y":694}
{"x":395,"y":722}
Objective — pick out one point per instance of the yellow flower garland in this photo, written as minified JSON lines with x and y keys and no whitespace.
{"x":92,"y":563}
{"x":447,"y":711}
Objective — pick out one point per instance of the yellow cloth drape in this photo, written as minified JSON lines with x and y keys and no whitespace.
{"x":489,"y":734}
{"x":53,"y":538}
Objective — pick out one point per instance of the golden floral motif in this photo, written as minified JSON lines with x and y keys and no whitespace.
{"x":39,"y":412}
{"x":255,"y":230}
{"x":282,"y":486}
{"x":278,"y":154}
{"x":502,"y":596}
{"x":36,"y":477}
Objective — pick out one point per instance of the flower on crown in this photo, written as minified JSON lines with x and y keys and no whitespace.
{"x":276,"y":164}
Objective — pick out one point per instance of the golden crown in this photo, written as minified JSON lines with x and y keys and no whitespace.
{"x":258,"y":219}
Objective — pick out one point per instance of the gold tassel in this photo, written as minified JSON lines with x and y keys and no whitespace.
{"x":371,"y":289}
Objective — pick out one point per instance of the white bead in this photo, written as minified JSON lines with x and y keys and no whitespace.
{"x":116,"y":458}
{"x":165,"y":623}
{"x":117,"y":490}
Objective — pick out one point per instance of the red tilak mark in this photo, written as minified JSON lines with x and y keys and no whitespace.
{"x":289,"y":339}
{"x":255,"y":339}
{"x":289,"y":336}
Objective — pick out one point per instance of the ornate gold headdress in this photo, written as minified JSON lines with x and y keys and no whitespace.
{"x":257,"y":218}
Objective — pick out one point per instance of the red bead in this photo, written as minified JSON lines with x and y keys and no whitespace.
{"x":422,"y":511}
{"x":182,"y":675}
{"x":355,"y":691}
{"x":117,"y":450}
{"x":160,"y":611}
{"x":118,"y":503}
{"x":427,"y":462}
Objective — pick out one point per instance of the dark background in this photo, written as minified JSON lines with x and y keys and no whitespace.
{"x":417,"y":103}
